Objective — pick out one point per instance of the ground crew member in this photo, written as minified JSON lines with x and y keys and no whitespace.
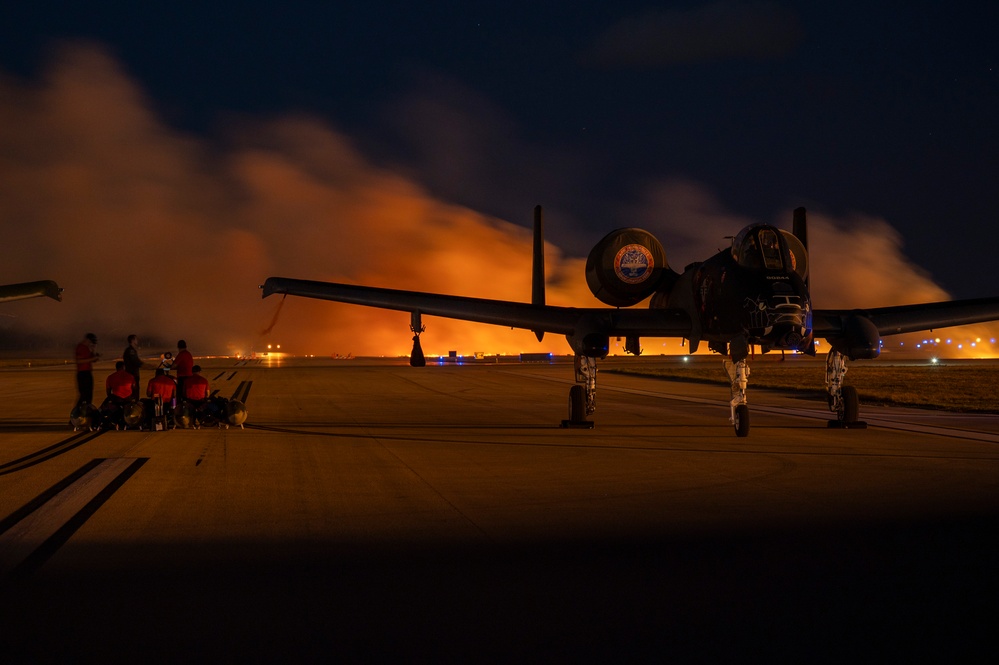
{"x":120,"y":384}
{"x":163,"y":385}
{"x":196,"y":387}
{"x":133,"y":363}
{"x":86,"y":356}
{"x":183,"y":363}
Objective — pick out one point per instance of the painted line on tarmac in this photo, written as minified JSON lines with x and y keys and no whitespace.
{"x":242,"y":392}
{"x":39,"y":456}
{"x":33,"y":533}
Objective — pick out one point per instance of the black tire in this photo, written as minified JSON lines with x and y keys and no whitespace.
{"x":851,"y":405}
{"x":742,"y":420}
{"x":577,"y":404}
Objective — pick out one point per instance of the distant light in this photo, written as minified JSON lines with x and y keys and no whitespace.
{"x":686,"y":359}
{"x":934,"y":360}
{"x":937,"y":340}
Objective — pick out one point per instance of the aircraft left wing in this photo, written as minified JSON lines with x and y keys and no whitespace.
{"x":545,"y":318}
{"x":45,"y":287}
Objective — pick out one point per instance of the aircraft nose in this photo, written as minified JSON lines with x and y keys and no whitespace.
{"x":792,"y":339}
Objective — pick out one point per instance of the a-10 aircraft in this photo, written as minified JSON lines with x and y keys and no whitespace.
{"x":753,"y":294}
{"x":45,"y":287}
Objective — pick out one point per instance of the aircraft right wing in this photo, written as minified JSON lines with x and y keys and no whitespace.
{"x":571,"y":321}
{"x":909,"y":318}
{"x":45,"y":287}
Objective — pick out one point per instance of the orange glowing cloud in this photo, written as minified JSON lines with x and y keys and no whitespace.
{"x":163,"y":234}
{"x":151,"y":231}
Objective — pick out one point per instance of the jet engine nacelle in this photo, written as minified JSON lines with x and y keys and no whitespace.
{"x":626,"y":267}
{"x":860,"y":340}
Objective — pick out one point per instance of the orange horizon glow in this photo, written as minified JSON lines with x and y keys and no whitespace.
{"x":166,"y":235}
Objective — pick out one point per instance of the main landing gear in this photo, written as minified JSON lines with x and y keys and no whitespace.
{"x":583,"y":395}
{"x":416,"y":357}
{"x":738,"y":374}
{"x":843,"y":400}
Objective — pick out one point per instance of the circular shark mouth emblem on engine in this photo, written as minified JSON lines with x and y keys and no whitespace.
{"x":633,"y":264}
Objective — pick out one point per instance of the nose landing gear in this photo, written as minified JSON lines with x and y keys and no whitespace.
{"x":583,"y":395}
{"x":738,"y":374}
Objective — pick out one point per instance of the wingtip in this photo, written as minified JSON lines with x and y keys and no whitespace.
{"x":270,"y":287}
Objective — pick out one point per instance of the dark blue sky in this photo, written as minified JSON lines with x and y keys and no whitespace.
{"x":889,"y":109}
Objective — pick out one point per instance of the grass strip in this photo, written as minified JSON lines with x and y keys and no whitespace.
{"x":951,"y":388}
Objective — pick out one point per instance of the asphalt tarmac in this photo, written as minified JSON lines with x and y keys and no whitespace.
{"x":373,"y":511}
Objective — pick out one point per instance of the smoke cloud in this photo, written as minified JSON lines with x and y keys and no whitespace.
{"x":167,"y":235}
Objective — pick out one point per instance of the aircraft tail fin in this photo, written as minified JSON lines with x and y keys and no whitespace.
{"x":538,"y":271}
{"x":800,"y":226}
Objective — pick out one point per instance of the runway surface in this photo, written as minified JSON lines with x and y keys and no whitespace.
{"x":370,"y":510}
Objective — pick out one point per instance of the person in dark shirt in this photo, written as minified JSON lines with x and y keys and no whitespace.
{"x":133,"y":363}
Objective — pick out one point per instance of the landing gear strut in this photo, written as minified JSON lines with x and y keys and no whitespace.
{"x":738,"y":374}
{"x":843,"y":400}
{"x":583,"y":395}
{"x":416,"y":357}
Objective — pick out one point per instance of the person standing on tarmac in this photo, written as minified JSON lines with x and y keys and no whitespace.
{"x":133,"y":363}
{"x":183,"y":364}
{"x":86,"y":356}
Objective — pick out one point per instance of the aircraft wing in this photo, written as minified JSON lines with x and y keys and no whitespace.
{"x":545,"y":318}
{"x":24,"y":290}
{"x":909,"y":318}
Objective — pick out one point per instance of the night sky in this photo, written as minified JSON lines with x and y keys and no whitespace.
{"x":876,"y":116}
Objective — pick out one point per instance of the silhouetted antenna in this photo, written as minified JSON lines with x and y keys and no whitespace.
{"x":799,"y":227}
{"x":538,"y":270}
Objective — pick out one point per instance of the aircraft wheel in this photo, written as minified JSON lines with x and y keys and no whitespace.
{"x":577,"y":404}
{"x":851,"y":405}
{"x":742,"y":420}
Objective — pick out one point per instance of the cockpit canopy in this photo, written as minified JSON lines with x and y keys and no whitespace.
{"x":764,"y":247}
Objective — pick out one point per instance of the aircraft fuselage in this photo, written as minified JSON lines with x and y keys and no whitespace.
{"x":753,"y":294}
